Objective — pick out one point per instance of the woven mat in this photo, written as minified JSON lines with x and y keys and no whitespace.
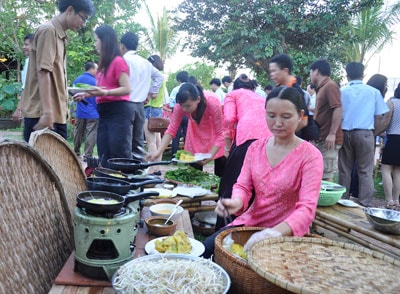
{"x":36,"y":227}
{"x":57,"y":152}
{"x":309,"y":265}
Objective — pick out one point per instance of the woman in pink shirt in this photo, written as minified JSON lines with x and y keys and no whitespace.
{"x":285,"y":173}
{"x":244,"y":122}
{"x":205,"y":130}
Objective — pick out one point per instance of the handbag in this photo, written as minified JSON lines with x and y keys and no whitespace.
{"x":157,"y":124}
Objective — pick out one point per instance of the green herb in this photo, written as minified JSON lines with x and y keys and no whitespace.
{"x":190,"y":175}
{"x":83,"y":86}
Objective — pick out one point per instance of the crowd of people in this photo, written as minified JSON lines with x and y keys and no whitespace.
{"x":271,"y":147}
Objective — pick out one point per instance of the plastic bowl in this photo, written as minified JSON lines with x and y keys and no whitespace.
{"x":155,"y":225}
{"x":164,"y":209}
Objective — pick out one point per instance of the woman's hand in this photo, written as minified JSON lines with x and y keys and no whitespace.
{"x":227,"y":206}
{"x":259,"y":236}
{"x":150,"y":157}
{"x":78,"y":97}
{"x":98,"y":91}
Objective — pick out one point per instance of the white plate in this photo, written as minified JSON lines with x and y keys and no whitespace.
{"x":74,"y":90}
{"x":164,"y":193}
{"x":197,"y":157}
{"x":190,"y":191}
{"x":348,"y":203}
{"x":197,"y":247}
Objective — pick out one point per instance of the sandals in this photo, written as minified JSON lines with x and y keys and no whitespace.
{"x":390,"y":204}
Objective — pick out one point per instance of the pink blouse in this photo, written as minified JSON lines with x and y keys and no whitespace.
{"x":200,"y":138}
{"x":286,"y":192}
{"x":244,"y":113}
{"x":111,"y":80}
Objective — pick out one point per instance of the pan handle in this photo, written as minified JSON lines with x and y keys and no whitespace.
{"x":138,"y":185}
{"x":147,"y":164}
{"x":138,"y":196}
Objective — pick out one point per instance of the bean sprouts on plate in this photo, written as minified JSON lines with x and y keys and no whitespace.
{"x":169,"y":276}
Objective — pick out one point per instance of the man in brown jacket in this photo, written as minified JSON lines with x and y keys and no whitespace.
{"x":328,"y":115}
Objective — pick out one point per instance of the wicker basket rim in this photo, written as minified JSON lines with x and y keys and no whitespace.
{"x":283,"y":283}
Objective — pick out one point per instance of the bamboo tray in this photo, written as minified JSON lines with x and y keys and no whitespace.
{"x":309,"y":265}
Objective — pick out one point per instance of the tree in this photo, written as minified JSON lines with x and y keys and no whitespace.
{"x":161,"y":37}
{"x":249,"y":33}
{"x":369,"y":31}
{"x":201,"y":71}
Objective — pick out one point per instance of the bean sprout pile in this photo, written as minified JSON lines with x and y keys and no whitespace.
{"x":169,"y":276}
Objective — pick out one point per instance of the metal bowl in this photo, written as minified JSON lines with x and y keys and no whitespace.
{"x":155,"y":257}
{"x":384,"y":220}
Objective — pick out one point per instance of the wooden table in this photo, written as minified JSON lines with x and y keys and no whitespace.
{"x":92,"y":286}
{"x":352,"y":224}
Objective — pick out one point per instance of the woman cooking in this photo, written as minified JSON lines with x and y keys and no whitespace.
{"x":285,"y":173}
{"x":205,"y":130}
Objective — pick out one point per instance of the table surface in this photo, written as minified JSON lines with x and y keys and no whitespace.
{"x":183,"y":223}
{"x":351,"y":223}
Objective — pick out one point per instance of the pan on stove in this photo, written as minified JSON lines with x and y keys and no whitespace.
{"x":105,"y":202}
{"x":115,"y":185}
{"x":129,"y":165}
{"x":118,"y":175}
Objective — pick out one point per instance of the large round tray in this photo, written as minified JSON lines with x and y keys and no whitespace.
{"x":309,"y":265}
{"x":151,"y":258}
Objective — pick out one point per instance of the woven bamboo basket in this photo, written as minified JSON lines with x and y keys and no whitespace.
{"x":36,"y":227}
{"x":309,"y":265}
{"x":244,"y":279}
{"x":57,"y":152}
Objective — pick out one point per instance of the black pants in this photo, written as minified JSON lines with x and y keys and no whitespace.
{"x":29,"y":123}
{"x":114,"y":133}
{"x":232,"y":171}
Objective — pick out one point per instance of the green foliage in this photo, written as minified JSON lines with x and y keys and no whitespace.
{"x":250,"y":33}
{"x":201,"y":71}
{"x":9,"y":92}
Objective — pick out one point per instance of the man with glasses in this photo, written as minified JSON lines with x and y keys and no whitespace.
{"x":46,"y":94}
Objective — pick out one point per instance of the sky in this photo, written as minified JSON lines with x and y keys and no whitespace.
{"x":387,"y":62}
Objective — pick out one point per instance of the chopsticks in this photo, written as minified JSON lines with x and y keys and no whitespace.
{"x":227,"y":220}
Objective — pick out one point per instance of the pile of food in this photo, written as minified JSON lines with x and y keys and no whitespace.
{"x":184,"y":155}
{"x":177,"y":243}
{"x":190,"y":175}
{"x":170,"y":275}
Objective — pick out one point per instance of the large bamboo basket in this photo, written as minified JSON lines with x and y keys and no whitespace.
{"x":310,"y":265}
{"x":36,"y":227}
{"x":243,"y":279}
{"x":57,"y":152}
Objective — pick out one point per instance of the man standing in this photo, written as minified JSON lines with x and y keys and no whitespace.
{"x":228,"y":83}
{"x":328,"y":115}
{"x":45,"y":94}
{"x":87,"y":117}
{"x":362,"y":107}
{"x":145,"y":82}
{"x":26,"y":49}
{"x":215,"y":86}
{"x":181,"y":77}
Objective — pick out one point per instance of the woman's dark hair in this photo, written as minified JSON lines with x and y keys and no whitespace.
{"x":397,"y":91}
{"x":156,"y":61}
{"x":244,"y":82}
{"x":379,"y":82}
{"x":189,"y":91}
{"x":287,"y":93}
{"x":109,"y":47}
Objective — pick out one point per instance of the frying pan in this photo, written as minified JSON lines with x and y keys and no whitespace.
{"x":129,"y":165}
{"x":115,"y":185}
{"x":84,"y":200}
{"x":115,"y":174}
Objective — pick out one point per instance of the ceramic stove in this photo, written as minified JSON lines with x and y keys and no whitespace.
{"x":104,"y":242}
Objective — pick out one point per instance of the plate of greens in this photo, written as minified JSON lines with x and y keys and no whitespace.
{"x":191,"y":176}
{"x":80,"y":87}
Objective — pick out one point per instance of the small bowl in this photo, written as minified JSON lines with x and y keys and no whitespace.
{"x":164,"y":209}
{"x":155,"y":225}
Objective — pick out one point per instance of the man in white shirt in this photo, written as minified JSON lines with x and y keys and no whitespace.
{"x":145,"y":82}
{"x":26,"y":49}
{"x":215,"y":85}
